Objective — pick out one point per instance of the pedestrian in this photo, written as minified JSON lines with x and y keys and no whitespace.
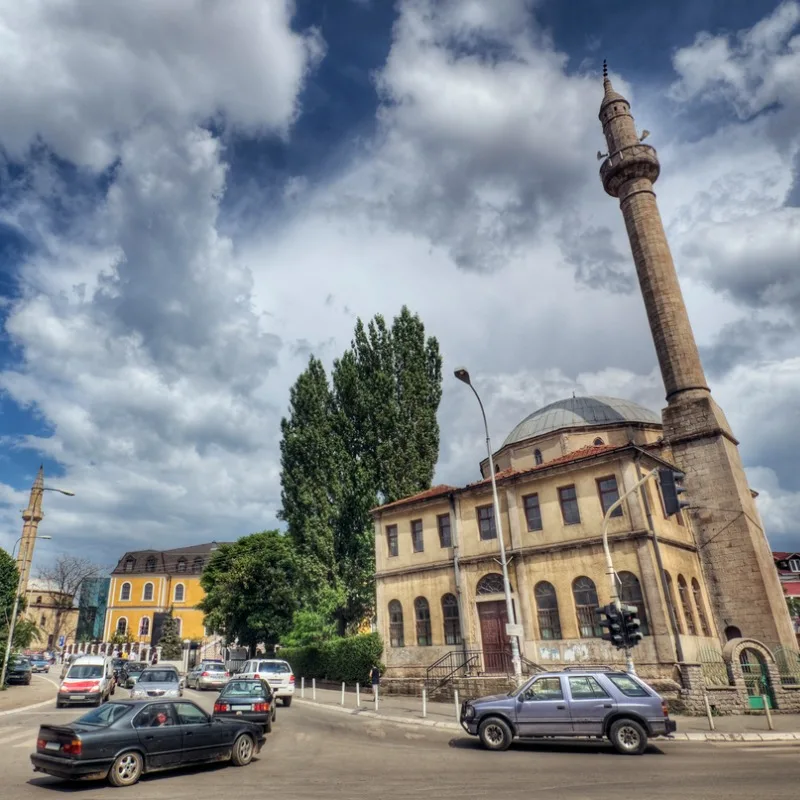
{"x":154,"y":659}
{"x":375,"y":676}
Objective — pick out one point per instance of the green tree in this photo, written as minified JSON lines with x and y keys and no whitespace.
{"x":251,"y":589}
{"x":170,"y":641}
{"x":9,"y":581}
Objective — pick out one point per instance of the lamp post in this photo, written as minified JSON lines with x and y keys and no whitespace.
{"x":12,"y":624}
{"x":462,"y":375}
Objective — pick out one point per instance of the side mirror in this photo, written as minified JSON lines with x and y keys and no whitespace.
{"x":520,"y":698}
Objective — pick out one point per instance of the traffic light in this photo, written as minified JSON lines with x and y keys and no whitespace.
{"x":671,"y":489}
{"x":630,"y":626}
{"x":611,"y":620}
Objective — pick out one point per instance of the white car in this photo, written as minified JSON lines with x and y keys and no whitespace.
{"x":278,"y":674}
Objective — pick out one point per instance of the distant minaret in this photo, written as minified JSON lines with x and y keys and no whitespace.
{"x":739,"y":569}
{"x":31,"y":517}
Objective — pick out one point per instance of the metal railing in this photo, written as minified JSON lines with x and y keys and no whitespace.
{"x":473,"y":663}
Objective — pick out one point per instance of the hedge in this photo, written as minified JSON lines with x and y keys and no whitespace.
{"x":349,"y":659}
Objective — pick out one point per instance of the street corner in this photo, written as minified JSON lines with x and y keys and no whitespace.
{"x":14,"y":698}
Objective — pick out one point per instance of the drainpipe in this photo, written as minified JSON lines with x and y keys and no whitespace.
{"x":665,"y":588}
{"x":457,"y":572}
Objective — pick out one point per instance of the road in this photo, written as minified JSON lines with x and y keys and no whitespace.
{"x":315,"y":753}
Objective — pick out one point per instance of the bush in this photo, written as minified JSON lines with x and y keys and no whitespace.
{"x":349,"y":659}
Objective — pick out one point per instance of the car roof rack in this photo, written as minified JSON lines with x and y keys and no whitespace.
{"x":591,"y":668}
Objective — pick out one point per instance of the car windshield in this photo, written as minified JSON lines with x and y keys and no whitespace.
{"x":105,"y":715}
{"x":274,"y":666}
{"x":85,"y":671}
{"x":135,"y":667}
{"x":158,"y":676}
{"x":19,"y":661}
{"x":213,"y":667}
{"x":244,"y":689}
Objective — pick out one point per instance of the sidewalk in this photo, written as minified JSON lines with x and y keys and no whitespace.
{"x":15,"y":697}
{"x":408,"y":711}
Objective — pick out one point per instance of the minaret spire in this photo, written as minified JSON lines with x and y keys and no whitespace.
{"x":31,"y":517}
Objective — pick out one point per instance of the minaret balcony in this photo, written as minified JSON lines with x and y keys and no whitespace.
{"x":629,"y":163}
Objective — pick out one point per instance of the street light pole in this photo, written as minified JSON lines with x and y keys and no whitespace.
{"x":516,"y":662}
{"x":612,"y":575}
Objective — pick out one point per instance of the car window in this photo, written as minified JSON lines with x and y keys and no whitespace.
{"x":85,"y":671}
{"x":105,"y":715}
{"x":628,"y":686}
{"x":158,"y":676}
{"x":156,"y":715}
{"x":190,"y":714}
{"x":586,"y":688}
{"x":544,"y":689}
{"x":244,"y":689}
{"x":274,"y":666}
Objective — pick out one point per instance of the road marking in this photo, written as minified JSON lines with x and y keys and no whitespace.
{"x":26,"y":734}
{"x":31,"y":745}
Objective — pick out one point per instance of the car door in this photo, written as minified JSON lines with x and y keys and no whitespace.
{"x":589,"y":704}
{"x":159,"y":734}
{"x":203,"y":739}
{"x":542,"y":709}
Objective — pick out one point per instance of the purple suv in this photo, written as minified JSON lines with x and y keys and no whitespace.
{"x":587,"y":703}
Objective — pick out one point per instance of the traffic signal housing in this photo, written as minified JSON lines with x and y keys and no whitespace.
{"x":611,"y":620}
{"x":631,"y":625}
{"x":671,"y":489}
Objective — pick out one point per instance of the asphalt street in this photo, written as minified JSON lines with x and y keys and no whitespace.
{"x":315,"y":753}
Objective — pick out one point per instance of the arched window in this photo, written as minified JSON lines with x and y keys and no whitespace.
{"x":180,"y":592}
{"x":584,"y":593}
{"x":42,"y":621}
{"x":130,"y":563}
{"x":422,"y":612}
{"x":122,"y":625}
{"x":150,"y":564}
{"x":452,"y":623}
{"x":491,"y":583}
{"x":396,"y":638}
{"x":630,"y":593}
{"x":701,"y":608}
{"x":147,"y":594}
{"x":197,"y":565}
{"x":547,"y":609}
{"x":181,"y":565}
{"x":125,"y":591}
{"x":144,"y":626}
{"x":732,"y":632}
{"x":178,"y":625}
{"x":683,"y":591}
{"x":537,"y":456}
{"x":597,"y":442}
{"x":671,"y":600}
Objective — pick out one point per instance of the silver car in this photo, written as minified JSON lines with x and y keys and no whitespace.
{"x":208,"y":675}
{"x":158,"y":681}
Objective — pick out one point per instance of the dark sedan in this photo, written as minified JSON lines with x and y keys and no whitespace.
{"x":247,"y":699}
{"x":123,"y":740}
{"x":19,"y":670}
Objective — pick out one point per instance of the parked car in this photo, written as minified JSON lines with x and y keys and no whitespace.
{"x":89,"y":679}
{"x":278,"y":674}
{"x":125,"y":739}
{"x":207,"y":675}
{"x":132,"y":672}
{"x":40,"y":664}
{"x":159,"y":681}
{"x":19,"y":670}
{"x":247,"y":699}
{"x":597,"y":703}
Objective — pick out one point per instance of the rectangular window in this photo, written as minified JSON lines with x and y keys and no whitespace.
{"x":532,"y":512}
{"x":417,"y":541}
{"x":391,"y":539}
{"x":586,"y":688}
{"x":794,"y":564}
{"x":443,"y":523}
{"x":628,"y":686}
{"x":609,"y":494}
{"x":544,"y":689}
{"x":568,"y":499}
{"x":486,"y":524}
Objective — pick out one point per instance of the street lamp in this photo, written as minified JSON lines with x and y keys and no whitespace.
{"x":462,"y":375}
{"x":12,"y":624}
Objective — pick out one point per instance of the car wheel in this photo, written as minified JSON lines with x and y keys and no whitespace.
{"x":126,"y":770}
{"x":243,"y":749}
{"x":287,"y":701}
{"x":628,"y":737}
{"x":495,"y":734}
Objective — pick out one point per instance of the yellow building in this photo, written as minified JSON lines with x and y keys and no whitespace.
{"x":147,"y":584}
{"x":54,"y":615}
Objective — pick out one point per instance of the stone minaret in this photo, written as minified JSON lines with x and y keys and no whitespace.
{"x":31,"y":517}
{"x":739,"y":569}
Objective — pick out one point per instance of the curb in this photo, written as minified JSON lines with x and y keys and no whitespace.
{"x":767,"y":736}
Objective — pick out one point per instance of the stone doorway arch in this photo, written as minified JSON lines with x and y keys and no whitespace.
{"x":752,"y":666}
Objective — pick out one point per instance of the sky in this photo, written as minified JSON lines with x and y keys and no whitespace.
{"x":195,"y":196}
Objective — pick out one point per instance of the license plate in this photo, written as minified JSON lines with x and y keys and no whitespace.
{"x":241,"y":708}
{"x":52,"y":746}
{"x":77,"y":697}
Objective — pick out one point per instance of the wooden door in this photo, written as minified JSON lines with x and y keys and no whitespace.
{"x":496,"y":645}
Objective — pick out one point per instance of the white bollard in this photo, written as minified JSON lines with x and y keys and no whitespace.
{"x":302,"y":687}
{"x":313,"y":688}
{"x":342,"y":692}
{"x":358,"y":695}
{"x":377,"y":694}
{"x":424,"y":703}
{"x":458,"y":708}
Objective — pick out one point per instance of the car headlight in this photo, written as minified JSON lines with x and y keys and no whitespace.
{"x":172,"y":693}
{"x":136,"y":694}
{"x":469,"y":712}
